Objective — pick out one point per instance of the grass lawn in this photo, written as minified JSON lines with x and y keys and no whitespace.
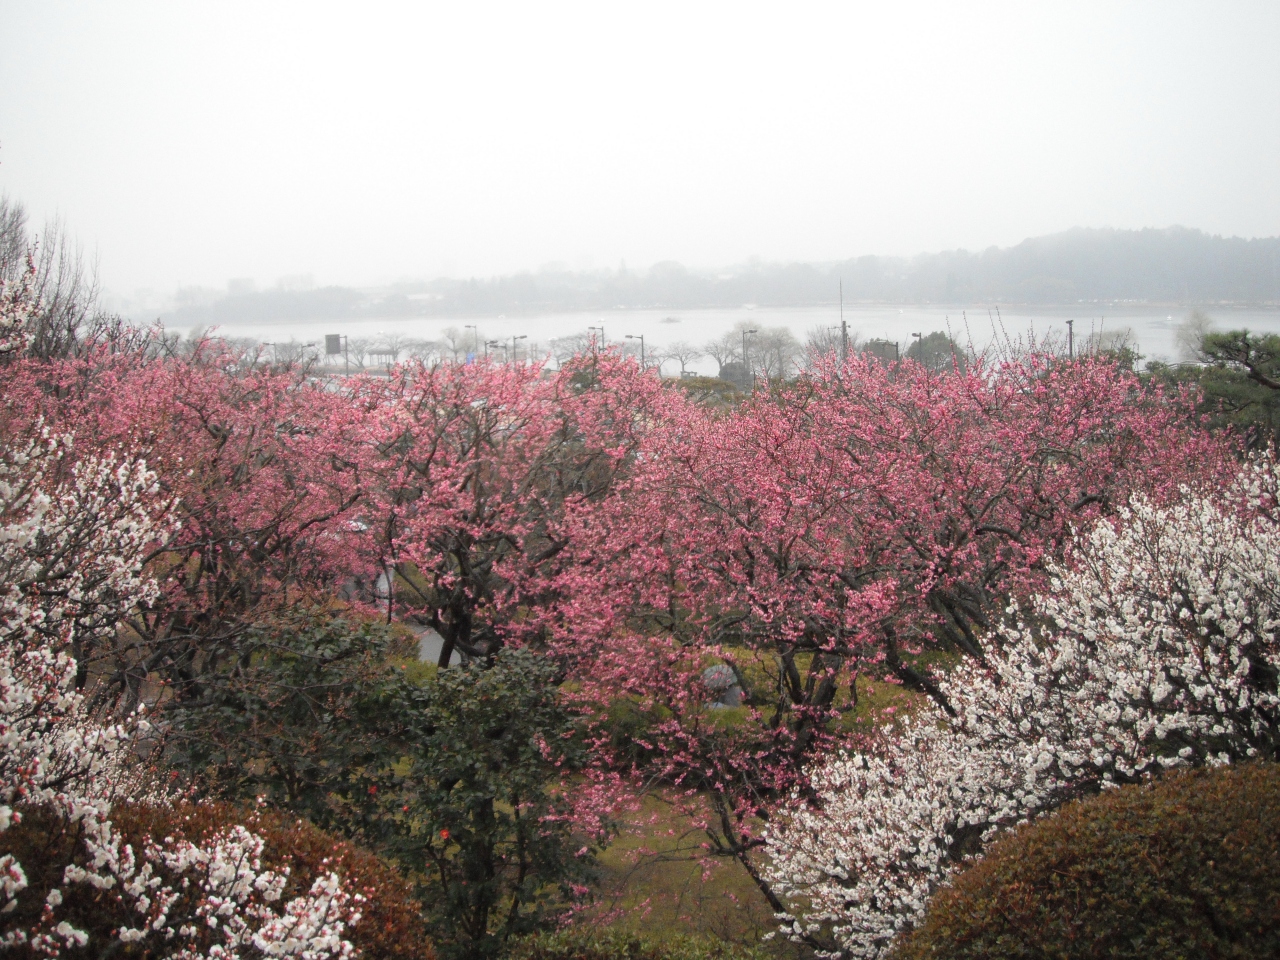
{"x":652,"y":883}
{"x":651,"y":880}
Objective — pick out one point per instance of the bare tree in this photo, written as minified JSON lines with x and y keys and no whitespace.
{"x":683,"y":353}
{"x":774,"y":352}
{"x":14,"y":241}
{"x":425,"y":350}
{"x":387,"y":348}
{"x":294,"y":353}
{"x":1190,"y":336}
{"x":726,"y":348}
{"x":66,"y":288}
{"x":456,"y":340}
{"x":358,"y":350}
{"x":565,"y":349}
{"x":827,"y":343}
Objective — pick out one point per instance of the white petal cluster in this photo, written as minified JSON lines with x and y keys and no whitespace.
{"x":215,"y":900}
{"x":71,"y":543}
{"x":70,"y":548}
{"x":1156,"y":648}
{"x":18,"y":309}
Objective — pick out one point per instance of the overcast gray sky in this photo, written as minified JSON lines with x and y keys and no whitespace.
{"x":193,"y":142}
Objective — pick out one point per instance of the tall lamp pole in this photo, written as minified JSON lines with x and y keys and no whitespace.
{"x":600,"y":342}
{"x":844,"y":329}
{"x":491,"y":343}
{"x":641,"y":339}
{"x":475,"y":337}
{"x":746,"y":360}
{"x":513,"y":344}
{"x":1071,"y":339}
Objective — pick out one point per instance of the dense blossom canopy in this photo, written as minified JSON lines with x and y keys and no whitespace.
{"x":165,"y":505}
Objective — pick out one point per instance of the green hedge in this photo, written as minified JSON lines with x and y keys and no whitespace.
{"x":1185,"y":867}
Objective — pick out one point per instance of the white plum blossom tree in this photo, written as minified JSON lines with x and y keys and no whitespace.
{"x":1155,"y":648}
{"x":72,"y":535}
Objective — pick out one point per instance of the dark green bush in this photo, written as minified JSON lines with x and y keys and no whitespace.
{"x":458,"y":775}
{"x":583,"y":944}
{"x":1186,"y":867}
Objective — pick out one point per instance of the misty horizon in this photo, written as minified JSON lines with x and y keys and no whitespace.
{"x":186,"y":146}
{"x":310,"y":281}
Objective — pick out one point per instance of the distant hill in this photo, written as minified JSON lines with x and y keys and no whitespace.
{"x":1175,"y":264}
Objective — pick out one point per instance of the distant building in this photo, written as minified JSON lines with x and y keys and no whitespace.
{"x":737,"y":374}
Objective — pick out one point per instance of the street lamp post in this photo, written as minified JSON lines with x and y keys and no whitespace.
{"x":746,"y":360}
{"x":844,"y":329}
{"x":600,"y":342}
{"x":513,"y":344}
{"x":491,"y":343}
{"x":475,"y":337}
{"x":641,"y":339}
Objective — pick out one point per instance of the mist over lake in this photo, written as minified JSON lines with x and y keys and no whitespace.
{"x":1152,"y":327}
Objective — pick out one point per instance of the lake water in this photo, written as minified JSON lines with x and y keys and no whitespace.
{"x":1152,"y":328}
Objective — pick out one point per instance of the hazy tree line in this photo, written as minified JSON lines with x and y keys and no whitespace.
{"x":1174,"y":264}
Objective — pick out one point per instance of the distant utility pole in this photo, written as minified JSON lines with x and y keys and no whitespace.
{"x":844,"y":330}
{"x":1071,"y":339}
{"x":641,"y":339}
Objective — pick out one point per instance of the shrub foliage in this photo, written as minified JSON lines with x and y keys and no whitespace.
{"x":1186,"y":867}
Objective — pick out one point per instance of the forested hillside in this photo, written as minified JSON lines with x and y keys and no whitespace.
{"x":1174,"y":264}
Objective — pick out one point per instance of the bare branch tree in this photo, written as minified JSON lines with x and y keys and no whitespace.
{"x":14,"y":241}
{"x":774,"y":352}
{"x":683,"y":353}
{"x":566,"y":348}
{"x":726,"y":348}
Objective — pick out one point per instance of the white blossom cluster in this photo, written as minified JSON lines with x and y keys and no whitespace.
{"x":215,"y":900}
{"x":71,"y":543}
{"x":1157,"y":648}
{"x":18,"y":308}
{"x":68,"y":565}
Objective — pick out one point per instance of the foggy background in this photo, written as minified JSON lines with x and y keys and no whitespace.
{"x":328,"y":144}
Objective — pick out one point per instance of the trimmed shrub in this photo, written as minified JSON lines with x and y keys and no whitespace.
{"x":1184,"y":867}
{"x":390,"y":926}
{"x":583,"y":944}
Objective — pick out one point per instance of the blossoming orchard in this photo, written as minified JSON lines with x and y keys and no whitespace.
{"x":216,"y":571}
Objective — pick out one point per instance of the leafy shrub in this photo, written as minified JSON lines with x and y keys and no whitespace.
{"x":390,"y":927}
{"x":455,"y":774}
{"x":477,"y":805}
{"x":1185,"y":867}
{"x":580,"y":944}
